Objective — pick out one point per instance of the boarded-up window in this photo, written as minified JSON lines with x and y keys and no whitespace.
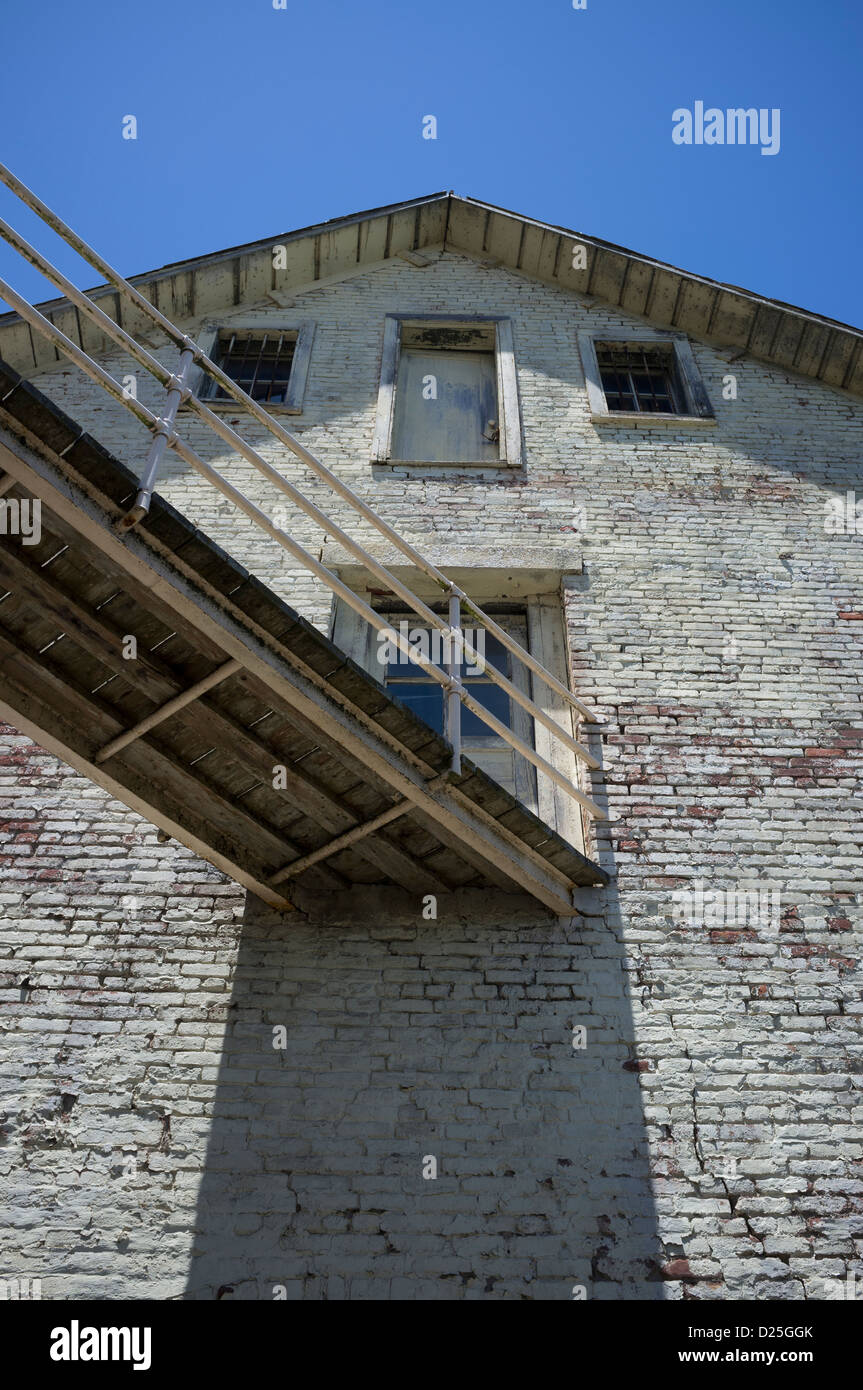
{"x":448,"y":393}
{"x":446,"y":405}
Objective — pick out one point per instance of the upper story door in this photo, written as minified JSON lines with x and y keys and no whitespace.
{"x":445,"y":402}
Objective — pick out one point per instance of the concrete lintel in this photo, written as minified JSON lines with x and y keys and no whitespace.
{"x":529,"y":570}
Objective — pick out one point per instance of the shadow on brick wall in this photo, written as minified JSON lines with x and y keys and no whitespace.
{"x":411,"y":1046}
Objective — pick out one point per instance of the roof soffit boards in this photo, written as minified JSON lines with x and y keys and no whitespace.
{"x":725,"y":315}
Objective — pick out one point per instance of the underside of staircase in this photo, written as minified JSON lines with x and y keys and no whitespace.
{"x":266,"y":750}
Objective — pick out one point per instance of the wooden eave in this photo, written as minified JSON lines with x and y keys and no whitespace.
{"x":726,"y":316}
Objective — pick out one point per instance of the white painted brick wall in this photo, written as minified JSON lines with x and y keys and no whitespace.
{"x":708,"y":1140}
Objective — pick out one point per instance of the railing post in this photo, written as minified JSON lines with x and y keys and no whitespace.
{"x":164,"y":435}
{"x":452,"y":730}
{"x":177,"y":392}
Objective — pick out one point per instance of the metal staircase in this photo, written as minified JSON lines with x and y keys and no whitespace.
{"x":239,"y":728}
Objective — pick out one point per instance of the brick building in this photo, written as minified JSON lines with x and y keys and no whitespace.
{"x":426,"y":1078}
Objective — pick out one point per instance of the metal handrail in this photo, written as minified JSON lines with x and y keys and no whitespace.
{"x":263,"y":417}
{"x":164,"y":435}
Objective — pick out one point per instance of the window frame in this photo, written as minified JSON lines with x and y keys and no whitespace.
{"x":698,"y":407}
{"x":519,"y":721}
{"x":547,"y":640}
{"x":510,"y":450}
{"x":303,"y":333}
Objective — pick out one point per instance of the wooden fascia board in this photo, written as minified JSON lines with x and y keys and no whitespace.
{"x":478,"y":229}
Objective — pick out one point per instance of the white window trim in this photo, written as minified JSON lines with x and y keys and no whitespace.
{"x":547,"y":641}
{"x":511,"y":450}
{"x":304,"y":331}
{"x":546,"y":636}
{"x":699,"y":411}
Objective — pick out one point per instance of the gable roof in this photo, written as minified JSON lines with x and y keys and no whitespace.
{"x":725,"y":315}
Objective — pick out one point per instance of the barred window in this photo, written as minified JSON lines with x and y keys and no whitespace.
{"x":638,"y":377}
{"x":258,"y":362}
{"x":644,"y":376}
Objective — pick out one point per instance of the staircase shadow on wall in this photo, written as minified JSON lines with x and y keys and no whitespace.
{"x":407,"y":1039}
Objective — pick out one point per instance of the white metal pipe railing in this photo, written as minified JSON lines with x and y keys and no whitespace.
{"x":452,"y":708}
{"x":162,"y":438}
{"x":164,"y":435}
{"x":342,"y":591}
{"x":264,"y":418}
{"x":177,"y":391}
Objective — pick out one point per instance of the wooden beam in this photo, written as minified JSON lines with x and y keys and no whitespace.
{"x":282,"y":671}
{"x":184,"y":793}
{"x":155,"y":679}
{"x":319,"y":804}
{"x":222,"y":673}
{"x":226,"y":864}
{"x":85,"y":628}
{"x":507,"y":882}
{"x":350,"y":837}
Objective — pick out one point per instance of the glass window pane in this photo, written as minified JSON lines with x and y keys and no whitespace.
{"x":424,"y":698}
{"x":639,"y":377}
{"x":489,"y":649}
{"x":259,"y":366}
{"x":408,"y":682}
{"x":433,"y":644}
{"x":492,"y":698}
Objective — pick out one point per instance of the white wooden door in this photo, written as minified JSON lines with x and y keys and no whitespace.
{"x":444,"y":403}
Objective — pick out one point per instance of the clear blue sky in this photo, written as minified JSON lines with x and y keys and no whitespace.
{"x":254,"y":121}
